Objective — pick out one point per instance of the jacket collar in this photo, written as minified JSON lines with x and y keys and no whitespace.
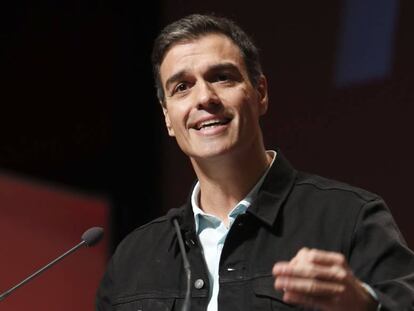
{"x":271,"y":196}
{"x":274,"y":190}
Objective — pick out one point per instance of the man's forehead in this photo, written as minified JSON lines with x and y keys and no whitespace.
{"x":204,"y":39}
{"x":204,"y":52}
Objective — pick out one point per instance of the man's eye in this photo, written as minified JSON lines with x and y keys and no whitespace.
{"x":223,"y":77}
{"x":181,"y":87}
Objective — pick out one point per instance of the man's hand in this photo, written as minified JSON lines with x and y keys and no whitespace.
{"x":321,"y":280}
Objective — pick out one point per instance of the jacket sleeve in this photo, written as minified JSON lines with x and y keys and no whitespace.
{"x":380,"y":257}
{"x":103,"y":300}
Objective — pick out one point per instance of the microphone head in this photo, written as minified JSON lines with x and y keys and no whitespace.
{"x":92,"y":236}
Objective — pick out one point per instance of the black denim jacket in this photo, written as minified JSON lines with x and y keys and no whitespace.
{"x":292,"y":210}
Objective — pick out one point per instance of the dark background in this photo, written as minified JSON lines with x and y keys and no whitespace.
{"x":78,"y":107}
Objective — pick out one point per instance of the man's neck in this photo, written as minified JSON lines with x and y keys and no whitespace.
{"x":225,"y":182}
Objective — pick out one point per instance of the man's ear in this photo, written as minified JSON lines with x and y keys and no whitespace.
{"x":262,"y":94}
{"x":168,"y":122}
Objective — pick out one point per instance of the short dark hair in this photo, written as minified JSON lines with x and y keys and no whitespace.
{"x":195,"y":26}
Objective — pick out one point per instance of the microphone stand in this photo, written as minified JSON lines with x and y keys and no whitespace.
{"x":187,"y":268}
{"x":89,"y":238}
{"x":8,"y":292}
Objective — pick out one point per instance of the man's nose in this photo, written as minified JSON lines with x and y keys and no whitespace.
{"x":206,"y":95}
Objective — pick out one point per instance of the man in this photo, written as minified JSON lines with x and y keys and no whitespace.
{"x":259,"y":235}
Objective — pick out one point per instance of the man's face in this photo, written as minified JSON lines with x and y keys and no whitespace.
{"x":211,"y":107}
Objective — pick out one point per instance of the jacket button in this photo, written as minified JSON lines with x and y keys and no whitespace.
{"x":199,"y":283}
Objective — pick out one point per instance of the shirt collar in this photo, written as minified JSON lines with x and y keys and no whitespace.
{"x":240,"y":207}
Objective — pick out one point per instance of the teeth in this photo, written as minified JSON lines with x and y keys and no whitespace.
{"x":212,"y":122}
{"x":209,"y":123}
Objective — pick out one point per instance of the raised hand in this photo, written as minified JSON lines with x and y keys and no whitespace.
{"x":321,"y":280}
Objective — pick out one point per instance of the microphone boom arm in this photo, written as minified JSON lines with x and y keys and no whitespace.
{"x":8,"y":292}
{"x":89,"y":238}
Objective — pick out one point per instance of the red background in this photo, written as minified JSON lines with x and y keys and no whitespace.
{"x":38,"y":223}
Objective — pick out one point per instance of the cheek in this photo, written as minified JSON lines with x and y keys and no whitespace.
{"x":245,"y":97}
{"x":249,"y":106}
{"x":177,"y":119}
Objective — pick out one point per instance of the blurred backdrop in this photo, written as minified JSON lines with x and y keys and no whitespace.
{"x":82,"y":138}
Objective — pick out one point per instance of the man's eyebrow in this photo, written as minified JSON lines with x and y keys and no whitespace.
{"x":224,"y":66}
{"x":174,"y":78}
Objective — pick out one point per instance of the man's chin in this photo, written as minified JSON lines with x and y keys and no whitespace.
{"x":212,"y":152}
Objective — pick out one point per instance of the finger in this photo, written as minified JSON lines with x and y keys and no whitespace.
{"x":309,"y":287}
{"x":320,"y":257}
{"x":279,"y":267}
{"x":309,"y":271}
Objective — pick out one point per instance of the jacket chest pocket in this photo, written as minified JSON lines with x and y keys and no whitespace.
{"x":267,"y":298}
{"x":147,"y":304}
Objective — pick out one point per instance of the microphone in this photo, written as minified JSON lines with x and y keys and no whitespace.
{"x":89,"y":238}
{"x":173,"y":213}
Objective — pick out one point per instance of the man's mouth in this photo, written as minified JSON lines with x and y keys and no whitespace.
{"x":211,"y":123}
